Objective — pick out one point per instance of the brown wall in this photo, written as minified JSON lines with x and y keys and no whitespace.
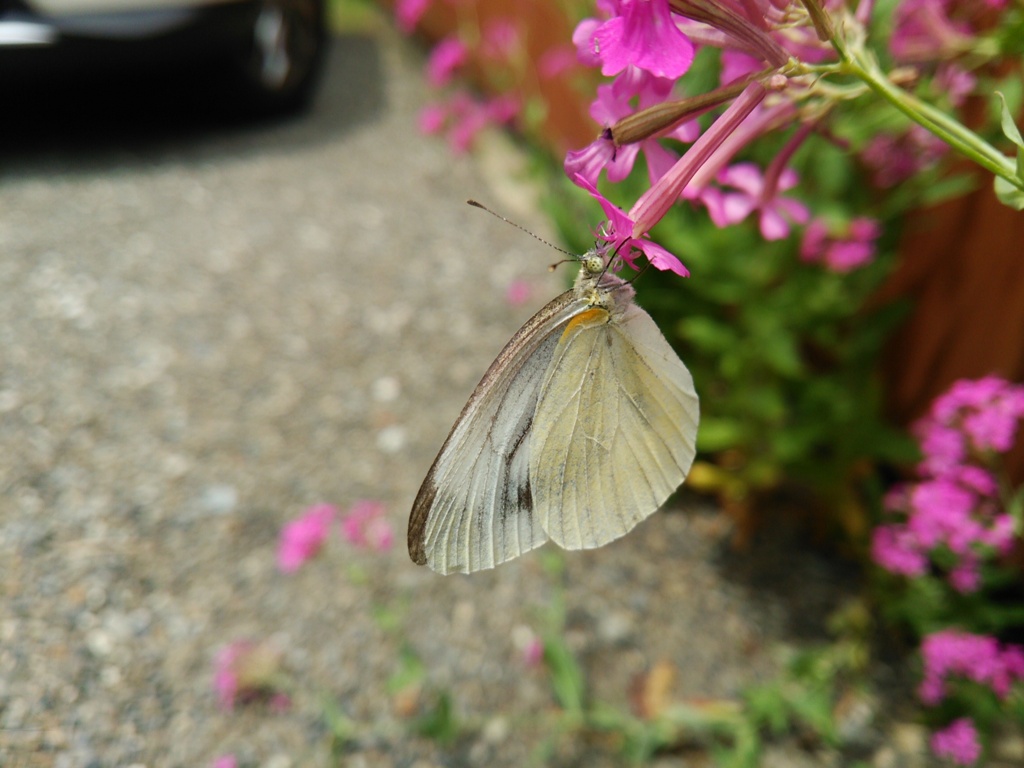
{"x":962,"y":264}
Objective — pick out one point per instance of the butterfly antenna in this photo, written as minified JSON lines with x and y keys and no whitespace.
{"x":572,"y":256}
{"x":614,"y":255}
{"x":557,"y":264}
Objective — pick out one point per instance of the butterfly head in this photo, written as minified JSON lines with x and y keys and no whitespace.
{"x":598,"y":286}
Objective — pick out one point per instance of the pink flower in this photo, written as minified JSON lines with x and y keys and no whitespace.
{"x":499,"y":39}
{"x":958,"y":742}
{"x":754,"y":194}
{"x":941,"y":513}
{"x":843,"y":248}
{"x":956,"y":504}
{"x":744,"y":23}
{"x":225,"y":761}
{"x":409,"y":13}
{"x":503,"y":108}
{"x":894,"y":159}
{"x":302,"y":538}
{"x":954,"y":81}
{"x":225,"y":677}
{"x":587,"y":163}
{"x":246,"y":672}
{"x":465,"y":117}
{"x":965,"y":577}
{"x":618,"y":233}
{"x":365,"y":526}
{"x":944,"y":448}
{"x":924,"y":31}
{"x":994,"y":426}
{"x":555,"y":61}
{"x":583,"y":39}
{"x":972,"y":393}
{"x":533,"y":653}
{"x":615,"y":101}
{"x":529,"y":646}
{"x":978,"y":658}
{"x":644,"y":35}
{"x":447,"y":56}
{"x":897,"y":550}
{"x":986,"y":410}
{"x":465,"y":128}
{"x":432,"y":119}
{"x":705,"y":156}
{"x":737,"y":64}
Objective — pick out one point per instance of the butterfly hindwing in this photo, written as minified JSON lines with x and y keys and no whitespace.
{"x":614,"y":428}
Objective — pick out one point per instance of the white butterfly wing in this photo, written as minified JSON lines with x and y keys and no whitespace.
{"x":615,"y":428}
{"x":475,"y":508}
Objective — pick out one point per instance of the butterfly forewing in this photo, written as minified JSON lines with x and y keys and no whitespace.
{"x":614,"y":428}
{"x":475,"y":507}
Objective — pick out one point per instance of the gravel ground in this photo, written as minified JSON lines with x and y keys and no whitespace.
{"x":200,"y":338}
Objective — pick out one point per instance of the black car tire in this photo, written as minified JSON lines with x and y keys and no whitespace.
{"x":278,"y":65}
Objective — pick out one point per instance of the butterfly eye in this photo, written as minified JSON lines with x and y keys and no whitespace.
{"x":593,"y":264}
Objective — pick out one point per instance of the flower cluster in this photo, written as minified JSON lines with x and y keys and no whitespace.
{"x":957,"y":742}
{"x":302,"y":538}
{"x":953,"y":515}
{"x":950,"y":522}
{"x":979,"y":658}
{"x":776,"y":58}
{"x":842,"y":247}
{"x":462,"y":116}
{"x":365,"y":526}
{"x":648,"y":45}
{"x":951,"y":655}
{"x":777,"y":53}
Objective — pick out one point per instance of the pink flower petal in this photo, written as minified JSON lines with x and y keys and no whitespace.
{"x":645,"y":36}
{"x":302,"y":538}
{"x":446,"y":57}
{"x":587,"y":163}
{"x":409,"y":13}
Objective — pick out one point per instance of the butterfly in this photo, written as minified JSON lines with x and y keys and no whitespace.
{"x":583,"y":426}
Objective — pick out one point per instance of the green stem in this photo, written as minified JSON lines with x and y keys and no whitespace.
{"x":967,"y":142}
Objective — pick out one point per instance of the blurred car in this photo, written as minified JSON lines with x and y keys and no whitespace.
{"x":265,"y":53}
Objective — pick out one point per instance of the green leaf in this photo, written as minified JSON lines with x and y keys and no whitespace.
{"x":1008,"y":194}
{"x":767,"y":707}
{"x":342,"y":730}
{"x":566,"y":675}
{"x":1009,"y":128}
{"x":439,"y":723}
{"x":410,"y":670}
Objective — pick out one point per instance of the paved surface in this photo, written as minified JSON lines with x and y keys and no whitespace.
{"x":205,"y":328}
